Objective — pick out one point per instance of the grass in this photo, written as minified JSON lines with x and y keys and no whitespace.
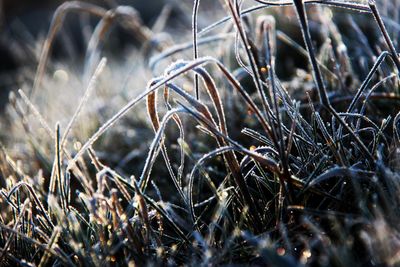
{"x":270,"y":137}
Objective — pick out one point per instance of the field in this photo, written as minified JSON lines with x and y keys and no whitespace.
{"x":254,"y":133}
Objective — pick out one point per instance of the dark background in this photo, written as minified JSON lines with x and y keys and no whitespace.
{"x":25,"y":23}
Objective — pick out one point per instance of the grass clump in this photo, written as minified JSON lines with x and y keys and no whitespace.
{"x":270,"y":138}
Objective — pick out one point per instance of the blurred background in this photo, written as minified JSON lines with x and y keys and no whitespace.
{"x":24,"y":25}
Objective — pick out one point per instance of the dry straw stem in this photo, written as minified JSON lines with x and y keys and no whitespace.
{"x":385,"y":34}
{"x":55,"y":26}
{"x":196,"y":5}
{"x":302,"y":16}
{"x":130,"y":20}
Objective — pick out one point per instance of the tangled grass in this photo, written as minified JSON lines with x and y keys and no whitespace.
{"x":231,"y":165}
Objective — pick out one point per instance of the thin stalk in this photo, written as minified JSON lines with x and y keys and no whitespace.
{"x":385,"y":34}
{"x":195,"y":47}
{"x":302,"y":16}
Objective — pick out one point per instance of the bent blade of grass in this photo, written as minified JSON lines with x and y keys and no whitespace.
{"x":129,"y":18}
{"x":153,"y":114}
{"x":230,"y":158}
{"x":55,"y":26}
{"x":350,"y":173}
{"x":178,"y":48}
{"x":367,"y":80}
{"x":130,"y":105}
{"x":198,"y":105}
{"x":153,"y":151}
{"x":181,"y":139}
{"x":92,"y":53}
{"x":197,"y":166}
{"x":370,"y":93}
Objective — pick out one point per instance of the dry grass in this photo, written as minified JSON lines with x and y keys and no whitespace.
{"x":271,"y":138}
